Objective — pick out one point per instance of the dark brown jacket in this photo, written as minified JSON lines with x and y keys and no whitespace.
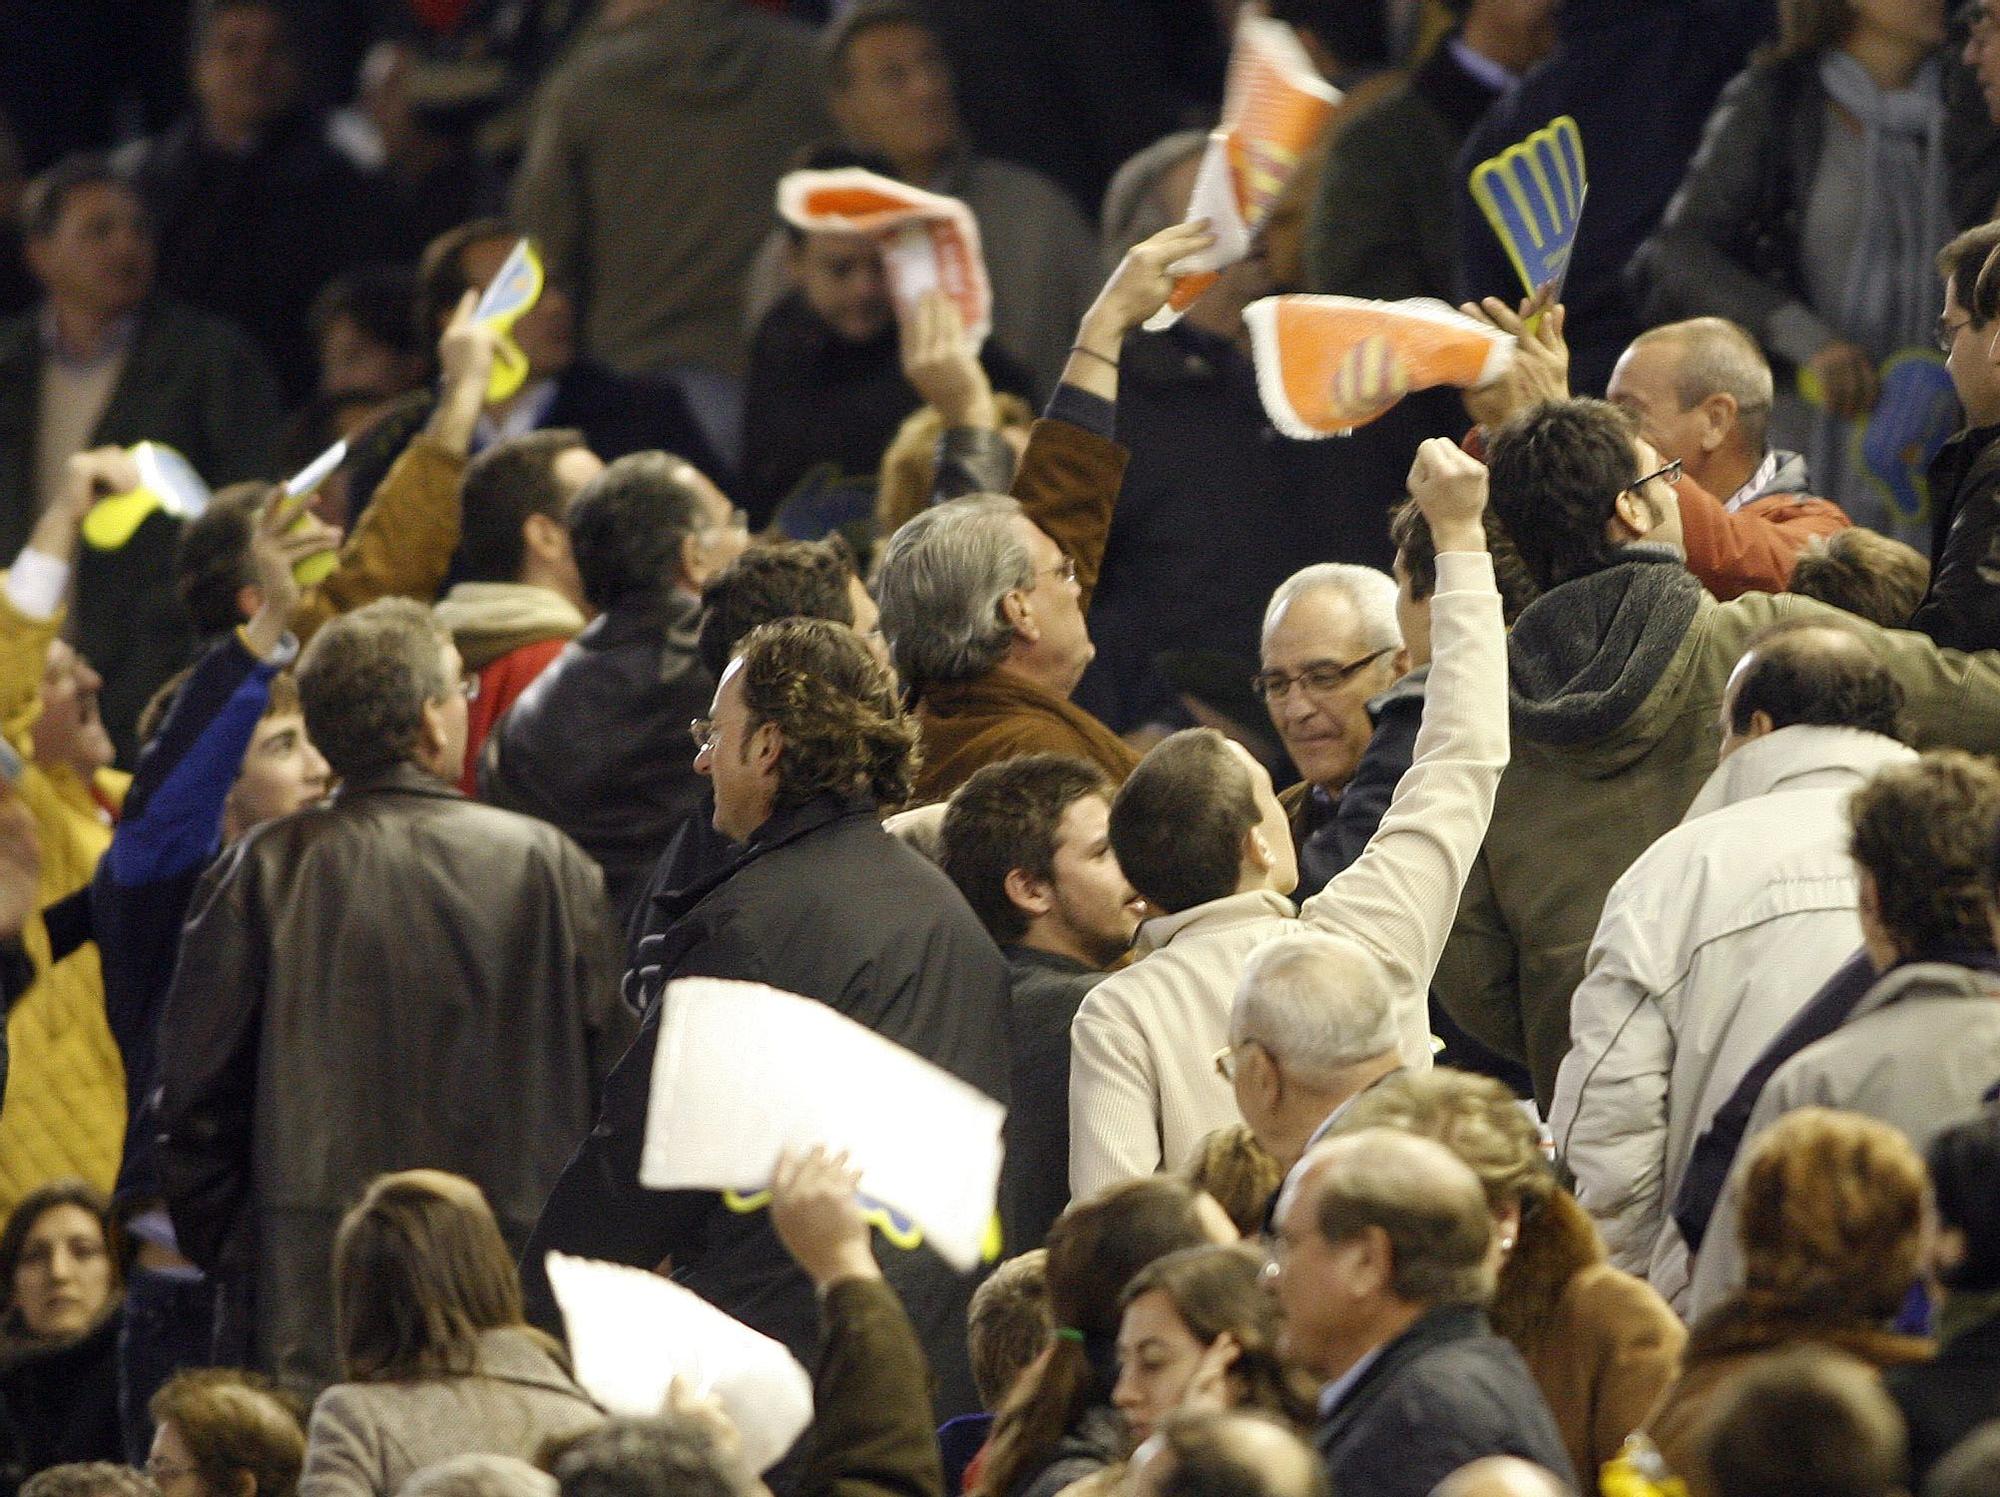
{"x":871,"y":1433}
{"x":1067,"y":484}
{"x":402,"y":977}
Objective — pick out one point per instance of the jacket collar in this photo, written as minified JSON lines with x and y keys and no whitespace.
{"x":1216,"y":915}
{"x":779,"y":830}
{"x":1922,"y":981}
{"x":403,"y":778}
{"x":1437,"y":1327}
{"x":1030,"y":956}
{"x":509,"y":1354}
{"x":1801,"y":757}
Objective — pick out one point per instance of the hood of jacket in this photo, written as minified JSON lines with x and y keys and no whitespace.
{"x":1597,"y":664}
{"x":1802,"y":757}
{"x":692,"y":49}
{"x":487,"y":619}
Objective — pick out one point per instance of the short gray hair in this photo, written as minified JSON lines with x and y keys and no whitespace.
{"x":1370,"y":593}
{"x":943,"y":576}
{"x":364,"y":681}
{"x":1424,"y":1198}
{"x":1720,"y":358}
{"x":1316,"y":1002}
{"x":479,"y":1475}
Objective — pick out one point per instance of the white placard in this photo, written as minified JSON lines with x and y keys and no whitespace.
{"x":632,"y":1333}
{"x":744,"y":1072}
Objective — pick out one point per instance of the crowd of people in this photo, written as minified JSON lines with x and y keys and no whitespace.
{"x":1484,"y":932}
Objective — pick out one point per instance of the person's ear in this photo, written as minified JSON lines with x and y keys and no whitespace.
{"x":694,"y":568}
{"x":1631,"y":516}
{"x":545,"y":537}
{"x":249,"y":598}
{"x":1257,"y":852}
{"x":1761,"y":723}
{"x":1372,"y":1266}
{"x":431,"y":735}
{"x":38,"y":254}
{"x":1033,"y":897}
{"x":767,"y":742}
{"x":1718,"y":419}
{"x":1020,"y":616}
{"x":242,"y":1484}
{"x":1263,"y":1077}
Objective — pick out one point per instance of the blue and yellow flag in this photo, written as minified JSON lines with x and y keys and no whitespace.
{"x":1532,"y":194}
{"x":507,"y":298}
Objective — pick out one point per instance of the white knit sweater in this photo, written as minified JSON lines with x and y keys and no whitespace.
{"x":1143,"y":1089}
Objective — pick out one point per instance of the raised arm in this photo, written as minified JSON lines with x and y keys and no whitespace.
{"x":403,"y":543}
{"x":1398,"y":901}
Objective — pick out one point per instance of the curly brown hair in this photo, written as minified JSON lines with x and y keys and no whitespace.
{"x":1833,"y":1215}
{"x":1924,"y":832}
{"x":845,"y":732}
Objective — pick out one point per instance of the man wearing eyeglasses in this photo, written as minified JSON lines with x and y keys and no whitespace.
{"x":1617,"y":674}
{"x":1331,"y":644}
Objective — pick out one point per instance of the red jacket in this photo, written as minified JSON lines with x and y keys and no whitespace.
{"x":500,"y":681}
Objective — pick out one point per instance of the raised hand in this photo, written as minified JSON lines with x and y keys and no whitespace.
{"x":818,"y":1218}
{"x":1540,"y":370}
{"x":1140,"y":285}
{"x":940,"y":365}
{"x":1449,"y":486}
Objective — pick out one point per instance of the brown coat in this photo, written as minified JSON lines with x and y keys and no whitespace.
{"x":1728,"y":1338}
{"x":1601,"y":1344}
{"x":402,"y":544}
{"x":1067,"y":484}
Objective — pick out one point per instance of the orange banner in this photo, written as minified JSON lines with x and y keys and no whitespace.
{"x":929,"y":242}
{"x":1327,"y":364}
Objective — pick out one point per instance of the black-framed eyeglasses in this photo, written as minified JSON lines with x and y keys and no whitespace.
{"x":1321,"y":678}
{"x":1671,"y":473}
{"x":702,"y":730}
{"x":1947,"y":331}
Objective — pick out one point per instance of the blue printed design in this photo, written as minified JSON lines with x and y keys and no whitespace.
{"x":1917,"y":411}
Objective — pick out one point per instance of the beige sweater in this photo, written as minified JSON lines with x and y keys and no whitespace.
{"x":1143,"y":1089}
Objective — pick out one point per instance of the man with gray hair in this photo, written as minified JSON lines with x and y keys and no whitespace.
{"x":1384,"y":1265}
{"x":1331,"y":644}
{"x":983,"y":598}
{"x":398,"y":975}
{"x":1313,"y":1028}
{"x":1701,"y":391}
{"x":1199,"y":832}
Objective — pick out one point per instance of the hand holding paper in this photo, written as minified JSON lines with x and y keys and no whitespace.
{"x":929,"y":242}
{"x":1540,"y":370}
{"x":818,"y":1219}
{"x":508,"y":297}
{"x":635,"y":1335}
{"x":942,"y":365}
{"x":1327,"y":364}
{"x":744,"y":1073}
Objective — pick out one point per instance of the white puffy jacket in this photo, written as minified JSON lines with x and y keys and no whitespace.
{"x":1707,"y":947}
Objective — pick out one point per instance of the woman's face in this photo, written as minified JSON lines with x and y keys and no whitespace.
{"x":63,"y":1280}
{"x":171,"y":1465}
{"x":1157,"y":1356}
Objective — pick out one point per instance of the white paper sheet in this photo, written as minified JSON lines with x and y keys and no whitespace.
{"x":744,"y":1071}
{"x":633,"y":1332}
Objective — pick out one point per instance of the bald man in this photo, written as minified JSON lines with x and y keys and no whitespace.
{"x":1501,"y":1476}
{"x":1701,"y":391}
{"x":1721,"y":932}
{"x":1384,"y":1267}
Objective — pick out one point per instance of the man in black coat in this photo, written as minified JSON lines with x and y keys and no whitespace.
{"x":1384,"y":1261}
{"x":597,"y":742}
{"x":805,"y":743}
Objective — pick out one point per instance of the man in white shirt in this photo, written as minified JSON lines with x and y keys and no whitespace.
{"x":1200,"y":834}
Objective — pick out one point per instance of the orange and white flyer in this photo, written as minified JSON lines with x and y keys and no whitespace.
{"x":1327,"y":364}
{"x":1274,"y":106}
{"x":929,"y":242}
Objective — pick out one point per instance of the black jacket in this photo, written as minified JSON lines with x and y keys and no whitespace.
{"x":254,"y":237}
{"x":1206,"y":530}
{"x":60,"y":1404}
{"x":825,"y":904}
{"x":1961,"y":606}
{"x":598,"y":743}
{"x":190,"y":381}
{"x":1443,"y":1394}
{"x":1034,"y":1181}
{"x":1945,"y":1399}
{"x":399,"y":978}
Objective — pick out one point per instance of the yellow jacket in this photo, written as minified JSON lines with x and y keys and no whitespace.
{"x":64,"y":1112}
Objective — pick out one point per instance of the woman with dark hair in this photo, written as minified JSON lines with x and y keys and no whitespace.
{"x":218,"y":1432}
{"x":62,"y":1278}
{"x":1811,"y":216}
{"x":1945,"y":1399}
{"x":1203,"y":1302}
{"x":1058,"y":1424}
{"x":1601,"y":1344}
{"x":438,"y":1357}
{"x":1832,"y":1229}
